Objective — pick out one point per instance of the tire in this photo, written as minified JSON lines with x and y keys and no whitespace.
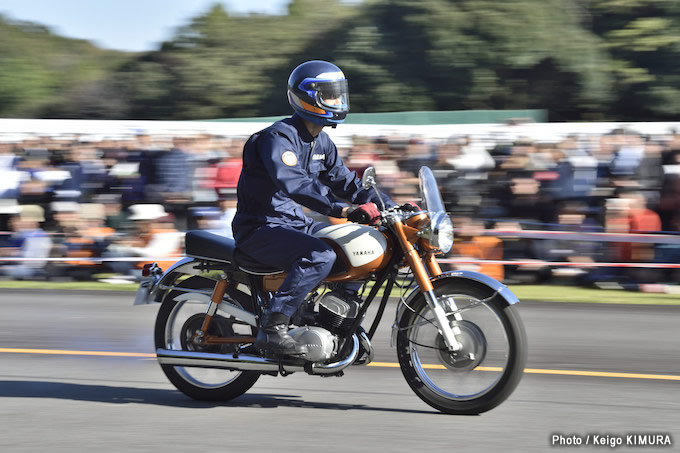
{"x":494,"y":340}
{"x":199,"y":383}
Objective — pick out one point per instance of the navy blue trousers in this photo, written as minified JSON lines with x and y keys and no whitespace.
{"x":306,"y":259}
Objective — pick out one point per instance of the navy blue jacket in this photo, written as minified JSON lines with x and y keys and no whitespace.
{"x":285,"y":168}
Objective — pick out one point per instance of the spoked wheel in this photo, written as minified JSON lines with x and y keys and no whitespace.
{"x":490,"y":363}
{"x":219,"y":326}
{"x":179,"y":319}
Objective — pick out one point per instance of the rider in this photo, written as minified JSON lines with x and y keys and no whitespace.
{"x":286,"y":166}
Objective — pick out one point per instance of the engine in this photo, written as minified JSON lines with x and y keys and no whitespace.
{"x":336,"y":313}
{"x":335,"y":317}
{"x":321,"y":344}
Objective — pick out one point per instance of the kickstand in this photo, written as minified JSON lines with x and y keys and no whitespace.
{"x":283,"y":372}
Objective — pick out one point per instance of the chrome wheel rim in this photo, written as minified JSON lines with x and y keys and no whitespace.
{"x":478,"y":368}
{"x":176,"y":339}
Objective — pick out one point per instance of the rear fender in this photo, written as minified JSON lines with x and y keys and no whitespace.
{"x":185,"y":266}
{"x":193,"y":267}
{"x":497,"y":287}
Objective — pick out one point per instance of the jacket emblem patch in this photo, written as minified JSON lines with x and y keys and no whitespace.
{"x":289,"y":158}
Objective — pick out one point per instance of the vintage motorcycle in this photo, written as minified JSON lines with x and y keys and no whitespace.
{"x":460,"y":342}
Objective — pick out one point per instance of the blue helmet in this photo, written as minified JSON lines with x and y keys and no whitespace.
{"x":317,"y":91}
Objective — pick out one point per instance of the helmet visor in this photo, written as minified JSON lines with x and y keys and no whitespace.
{"x":332,"y":95}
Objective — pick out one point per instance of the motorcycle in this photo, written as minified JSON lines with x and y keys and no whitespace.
{"x":460,"y":342}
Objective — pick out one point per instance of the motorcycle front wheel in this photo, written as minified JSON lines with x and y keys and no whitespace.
{"x":180,"y":316}
{"x":490,"y":363}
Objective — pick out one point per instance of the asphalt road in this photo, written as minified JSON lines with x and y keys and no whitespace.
{"x":58,"y":402}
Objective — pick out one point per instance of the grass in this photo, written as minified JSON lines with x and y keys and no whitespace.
{"x":549,"y":293}
{"x":555,"y":293}
{"x":543,"y":293}
{"x":98,"y":286}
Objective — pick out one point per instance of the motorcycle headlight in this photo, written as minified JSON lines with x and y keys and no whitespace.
{"x":441,"y":232}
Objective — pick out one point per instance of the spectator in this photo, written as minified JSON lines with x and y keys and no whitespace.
{"x":669,"y":203}
{"x":88,"y":239}
{"x":28,"y":241}
{"x":10,"y":178}
{"x":87,"y":173}
{"x":649,"y":173}
{"x":670,"y":253}
{"x":207,"y":218}
{"x":572,"y":217}
{"x":171,"y":185}
{"x":114,"y":215}
{"x":418,"y":152}
{"x":35,"y":177}
{"x":66,"y":215}
{"x":641,"y":220}
{"x":226,"y":179}
{"x":170,"y":170}
{"x":153,"y":236}
{"x":471,"y":243}
{"x":531,"y":267}
{"x":390,"y":176}
{"x":628,"y":157}
{"x":228,"y":211}
{"x":472,"y":157}
{"x":577,"y":172}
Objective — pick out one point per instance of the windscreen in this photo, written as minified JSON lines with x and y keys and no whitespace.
{"x":430,"y":192}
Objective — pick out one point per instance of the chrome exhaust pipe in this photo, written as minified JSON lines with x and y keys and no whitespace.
{"x":243,"y":362}
{"x":330,"y":368}
{"x":367,"y":357}
{"x":246,"y":362}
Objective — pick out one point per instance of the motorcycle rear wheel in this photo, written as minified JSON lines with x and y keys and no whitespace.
{"x":177,"y":320}
{"x":489,"y":367}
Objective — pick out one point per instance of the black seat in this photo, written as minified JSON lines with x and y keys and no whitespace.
{"x":252,"y":266}
{"x":201,"y":244}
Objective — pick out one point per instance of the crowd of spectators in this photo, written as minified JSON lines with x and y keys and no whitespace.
{"x":78,"y":199}
{"x":71,"y":197}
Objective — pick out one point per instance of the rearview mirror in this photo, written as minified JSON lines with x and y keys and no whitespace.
{"x":368,"y":179}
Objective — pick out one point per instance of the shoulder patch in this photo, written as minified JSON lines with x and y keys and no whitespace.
{"x":289,"y":158}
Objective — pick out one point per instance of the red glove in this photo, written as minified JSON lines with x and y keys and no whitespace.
{"x":366,"y":213}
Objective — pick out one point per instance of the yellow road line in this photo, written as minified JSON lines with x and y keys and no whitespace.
{"x":432,"y":367}
{"x":66,"y":352}
{"x":666,"y":377}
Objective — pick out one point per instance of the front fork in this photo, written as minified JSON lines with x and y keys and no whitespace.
{"x":420,"y":272}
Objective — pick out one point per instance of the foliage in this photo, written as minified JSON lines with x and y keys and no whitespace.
{"x":40,"y":71}
{"x":643,"y":38}
{"x":597,"y":59}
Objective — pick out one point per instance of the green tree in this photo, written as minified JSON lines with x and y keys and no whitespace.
{"x":40,"y":70}
{"x":482,"y":54}
{"x":597,"y":59}
{"x":643,"y":38}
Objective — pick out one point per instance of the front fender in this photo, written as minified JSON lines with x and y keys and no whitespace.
{"x":492,"y":283}
{"x":499,"y":289}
